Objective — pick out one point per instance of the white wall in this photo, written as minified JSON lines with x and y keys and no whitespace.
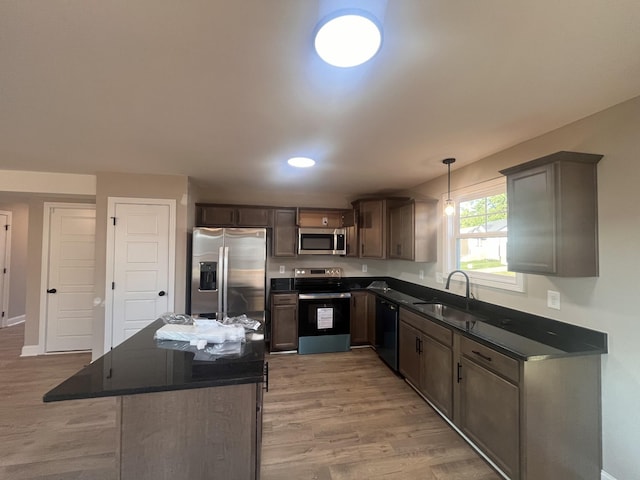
{"x":18,"y":268}
{"x":608,"y":303}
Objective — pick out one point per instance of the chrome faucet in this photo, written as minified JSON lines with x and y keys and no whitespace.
{"x":467,"y":293}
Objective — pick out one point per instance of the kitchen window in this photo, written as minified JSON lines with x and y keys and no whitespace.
{"x":476,"y":236}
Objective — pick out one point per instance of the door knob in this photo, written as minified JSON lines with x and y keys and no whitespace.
{"x":52,"y":290}
{"x":162,"y":293}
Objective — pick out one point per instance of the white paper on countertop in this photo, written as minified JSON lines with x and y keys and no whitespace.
{"x":209,"y":332}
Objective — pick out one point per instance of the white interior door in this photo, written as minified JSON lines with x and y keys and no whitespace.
{"x":70,"y":279}
{"x":143,"y":266}
{"x":4,"y":269}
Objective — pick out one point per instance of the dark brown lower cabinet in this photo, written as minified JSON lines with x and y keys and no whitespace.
{"x":436,"y":380}
{"x":360,"y":311}
{"x":534,"y":419}
{"x":426,"y":359}
{"x":490,"y":415}
{"x":410,"y":361}
{"x":284,"y":321}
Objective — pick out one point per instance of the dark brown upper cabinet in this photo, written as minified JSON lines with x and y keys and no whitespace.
{"x":284,"y":232}
{"x":413,"y":231}
{"x":210,"y":215}
{"x":553,"y":215}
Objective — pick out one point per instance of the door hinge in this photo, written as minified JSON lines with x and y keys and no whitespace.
{"x":2,"y":314}
{"x":113,"y":285}
{"x":6,"y":227}
{"x":4,"y":270}
{"x":114,"y":220}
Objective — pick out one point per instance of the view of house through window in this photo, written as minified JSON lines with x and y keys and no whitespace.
{"x":482,"y":234}
{"x":477,"y":235}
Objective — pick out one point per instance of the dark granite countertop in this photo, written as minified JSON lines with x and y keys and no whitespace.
{"x":142,"y":364}
{"x":519,"y":335}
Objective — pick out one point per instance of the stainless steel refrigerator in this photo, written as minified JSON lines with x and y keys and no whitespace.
{"x":228,"y":270}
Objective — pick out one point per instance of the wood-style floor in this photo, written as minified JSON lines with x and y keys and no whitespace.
{"x":326,"y":417}
{"x":346,"y":416}
{"x":72,"y":440}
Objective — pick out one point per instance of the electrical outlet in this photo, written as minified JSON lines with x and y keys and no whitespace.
{"x":281,"y":268}
{"x":439,"y":277}
{"x":364,"y":268}
{"x":421,"y":274}
{"x":553,"y":299}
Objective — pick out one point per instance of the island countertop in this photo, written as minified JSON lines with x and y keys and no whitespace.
{"x":142,"y":364}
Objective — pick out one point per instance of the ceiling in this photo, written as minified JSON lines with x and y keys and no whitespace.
{"x":224,"y":91}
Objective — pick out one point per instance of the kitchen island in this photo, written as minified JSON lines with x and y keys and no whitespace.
{"x":181,"y":412}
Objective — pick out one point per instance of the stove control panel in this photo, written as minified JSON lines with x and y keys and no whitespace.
{"x":330,"y":272}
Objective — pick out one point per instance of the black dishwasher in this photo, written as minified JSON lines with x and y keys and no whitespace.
{"x":387,"y":332}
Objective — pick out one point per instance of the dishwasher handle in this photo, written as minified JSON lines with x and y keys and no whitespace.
{"x":389,"y":305}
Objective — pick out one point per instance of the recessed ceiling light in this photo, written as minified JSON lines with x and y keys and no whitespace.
{"x":301,"y":162}
{"x":348,"y":38}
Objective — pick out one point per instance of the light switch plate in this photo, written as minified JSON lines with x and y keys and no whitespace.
{"x":281,"y":268}
{"x":553,"y":299}
{"x":421,"y":274}
{"x":438,"y":277}
{"x":364,"y":268}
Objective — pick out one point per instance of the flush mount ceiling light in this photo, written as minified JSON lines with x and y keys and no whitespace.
{"x":449,"y":205}
{"x":301,"y":162}
{"x":348,"y":38}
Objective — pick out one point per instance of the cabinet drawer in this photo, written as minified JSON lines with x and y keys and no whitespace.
{"x":438,"y":332}
{"x":284,"y":299}
{"x":490,"y":358}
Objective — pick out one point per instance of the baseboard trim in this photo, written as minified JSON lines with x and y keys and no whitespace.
{"x":31,"y":351}
{"x":15,"y":320}
{"x":605,"y":476}
{"x":455,"y":427}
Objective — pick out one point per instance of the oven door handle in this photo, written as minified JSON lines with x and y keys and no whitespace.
{"x":322,"y":296}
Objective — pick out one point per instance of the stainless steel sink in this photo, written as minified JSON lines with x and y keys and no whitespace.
{"x":445,"y":313}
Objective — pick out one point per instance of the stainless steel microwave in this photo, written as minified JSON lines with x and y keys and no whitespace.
{"x":322,"y":241}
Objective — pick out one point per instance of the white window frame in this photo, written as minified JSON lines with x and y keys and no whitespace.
{"x":491,"y":187}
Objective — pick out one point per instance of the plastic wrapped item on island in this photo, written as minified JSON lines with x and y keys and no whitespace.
{"x":176,"y":318}
{"x":210,"y":331}
{"x":208,"y":354}
{"x":246,"y":322}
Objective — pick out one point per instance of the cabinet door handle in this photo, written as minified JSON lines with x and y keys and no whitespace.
{"x":266,"y":376}
{"x":484,"y":357}
{"x":459,"y":372}
{"x":417,"y":345}
{"x":420,"y":346}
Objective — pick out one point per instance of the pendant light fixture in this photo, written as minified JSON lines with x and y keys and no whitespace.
{"x":449,"y":205}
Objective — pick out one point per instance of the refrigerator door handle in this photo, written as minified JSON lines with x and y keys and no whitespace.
{"x":226,"y":279}
{"x":221,"y":269}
